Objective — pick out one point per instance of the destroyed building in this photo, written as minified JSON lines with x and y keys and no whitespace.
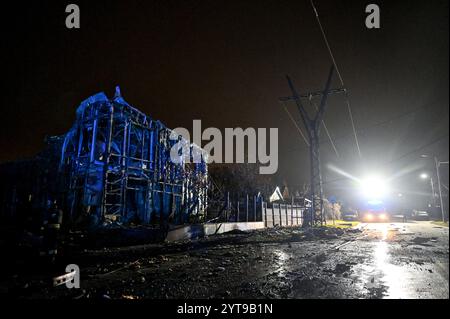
{"x":112,"y":166}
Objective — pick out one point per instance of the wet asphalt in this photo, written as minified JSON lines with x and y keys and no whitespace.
{"x":403,"y":260}
{"x":376,"y":260}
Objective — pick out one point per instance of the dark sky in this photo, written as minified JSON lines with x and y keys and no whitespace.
{"x":225,"y":62}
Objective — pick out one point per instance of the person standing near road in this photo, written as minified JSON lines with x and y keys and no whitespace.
{"x":405,"y":215}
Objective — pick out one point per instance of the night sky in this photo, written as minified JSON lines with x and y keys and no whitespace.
{"x":225,"y":62}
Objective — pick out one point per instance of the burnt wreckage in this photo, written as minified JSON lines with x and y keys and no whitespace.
{"x":112,"y":167}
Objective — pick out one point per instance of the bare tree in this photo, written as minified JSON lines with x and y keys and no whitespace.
{"x":240,"y":179}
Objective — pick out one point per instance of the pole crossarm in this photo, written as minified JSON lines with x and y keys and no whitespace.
{"x":310,"y":95}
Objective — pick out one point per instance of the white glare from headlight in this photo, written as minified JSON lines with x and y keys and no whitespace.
{"x":374,"y":187}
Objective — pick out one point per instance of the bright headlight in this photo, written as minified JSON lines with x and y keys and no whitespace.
{"x":374,"y":187}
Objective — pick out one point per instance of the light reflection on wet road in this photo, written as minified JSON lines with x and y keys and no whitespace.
{"x":403,"y":262}
{"x":280,"y":261}
{"x":387,"y":260}
{"x":391,"y":274}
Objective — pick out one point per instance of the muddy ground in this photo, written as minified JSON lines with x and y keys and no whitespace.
{"x":398,"y":260}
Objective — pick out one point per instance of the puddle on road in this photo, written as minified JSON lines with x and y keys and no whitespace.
{"x":393,"y":275}
{"x":280,"y":261}
{"x":279,"y":257}
{"x":381,"y":277}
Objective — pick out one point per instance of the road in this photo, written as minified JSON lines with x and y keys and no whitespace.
{"x":403,"y":260}
{"x":377,"y":260}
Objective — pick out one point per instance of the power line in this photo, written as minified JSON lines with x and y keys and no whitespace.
{"x":326,"y":130}
{"x":295,"y":123}
{"x":326,"y":42}
{"x":353,"y":125}
{"x":301,"y":132}
{"x":416,"y":149}
{"x":381,"y":123}
{"x":339,"y":75}
{"x":440,"y":138}
{"x":388,"y":121}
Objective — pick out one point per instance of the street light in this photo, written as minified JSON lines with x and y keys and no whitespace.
{"x":437,"y":165}
{"x":439,"y":185}
{"x":433,"y":195}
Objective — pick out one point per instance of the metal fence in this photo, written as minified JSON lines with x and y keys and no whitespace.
{"x":245,"y":209}
{"x":283,"y":214}
{"x":255,"y":209}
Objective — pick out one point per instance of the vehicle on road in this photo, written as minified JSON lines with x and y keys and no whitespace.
{"x":350,"y":216}
{"x":374,"y":211}
{"x":420,"y":215}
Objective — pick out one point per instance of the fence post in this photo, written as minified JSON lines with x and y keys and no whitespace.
{"x":292,"y":211}
{"x":228,"y":207}
{"x":246,"y":209}
{"x":237,"y":211}
{"x":287,"y":220}
{"x":279,"y":214}
{"x":273,"y":214}
{"x":254,"y":206}
{"x":264,"y":207}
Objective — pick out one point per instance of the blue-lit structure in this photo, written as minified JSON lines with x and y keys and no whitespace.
{"x":114,"y":166}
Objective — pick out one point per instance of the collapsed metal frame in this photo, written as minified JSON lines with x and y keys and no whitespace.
{"x":118,"y":166}
{"x":312,"y":125}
